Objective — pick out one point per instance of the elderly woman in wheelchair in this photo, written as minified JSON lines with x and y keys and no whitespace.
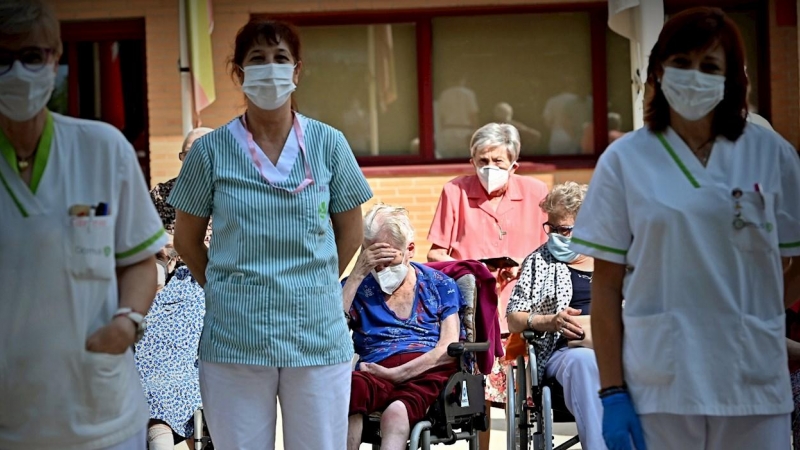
{"x":553,"y":299}
{"x":403,"y":316}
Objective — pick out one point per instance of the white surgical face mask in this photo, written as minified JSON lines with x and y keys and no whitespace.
{"x":391,"y":277}
{"x":269,"y":86}
{"x":691,"y":93}
{"x":493,"y":178}
{"x":23,"y":92}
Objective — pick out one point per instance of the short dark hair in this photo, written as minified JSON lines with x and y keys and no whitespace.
{"x":263,"y":31}
{"x":692,"y":30}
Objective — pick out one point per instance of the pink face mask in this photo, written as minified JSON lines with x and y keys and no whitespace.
{"x":260,"y":160}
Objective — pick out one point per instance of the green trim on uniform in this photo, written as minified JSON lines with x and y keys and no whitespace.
{"x":677,"y":160}
{"x":13,"y":197}
{"x":141,"y":246}
{"x":599,"y":247}
{"x":42,"y":152}
{"x":789,"y":245}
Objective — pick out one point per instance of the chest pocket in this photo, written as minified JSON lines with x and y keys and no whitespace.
{"x":317,"y":200}
{"x":90,"y":249}
{"x":754,"y":230}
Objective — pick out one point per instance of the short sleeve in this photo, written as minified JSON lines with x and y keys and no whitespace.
{"x":444,"y":219}
{"x":521,"y":299}
{"x":194,"y":189}
{"x":788,"y":204}
{"x":602,"y":229}
{"x":449,"y":297}
{"x":139,"y":232}
{"x":348,"y":187}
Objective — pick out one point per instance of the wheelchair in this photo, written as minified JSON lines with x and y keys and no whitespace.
{"x":533,"y":407}
{"x":459,"y":412}
{"x":202,"y":438}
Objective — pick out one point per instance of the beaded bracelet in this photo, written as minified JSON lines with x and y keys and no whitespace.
{"x":611,"y":390}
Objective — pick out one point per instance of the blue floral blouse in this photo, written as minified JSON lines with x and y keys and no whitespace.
{"x":378,"y":333}
{"x":167,"y":354}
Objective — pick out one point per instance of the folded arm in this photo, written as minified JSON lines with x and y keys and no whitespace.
{"x":189,"y":242}
{"x":438,"y":356}
{"x":434,"y":358}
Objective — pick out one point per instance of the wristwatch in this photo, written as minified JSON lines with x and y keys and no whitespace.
{"x":136,"y":318}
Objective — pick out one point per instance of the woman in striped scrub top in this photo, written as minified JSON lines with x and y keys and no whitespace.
{"x":285,"y":193}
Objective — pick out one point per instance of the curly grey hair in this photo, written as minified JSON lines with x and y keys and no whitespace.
{"x":495,"y":135}
{"x":392,"y":220}
{"x":25,"y":17}
{"x":564,"y":200}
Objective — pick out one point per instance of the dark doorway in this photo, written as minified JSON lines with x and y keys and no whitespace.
{"x":103,"y":76}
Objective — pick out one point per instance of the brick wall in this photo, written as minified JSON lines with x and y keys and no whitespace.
{"x":784,"y":77}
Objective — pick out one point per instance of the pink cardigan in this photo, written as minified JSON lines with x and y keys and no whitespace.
{"x":487,"y":324}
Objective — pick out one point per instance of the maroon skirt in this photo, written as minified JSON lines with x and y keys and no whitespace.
{"x":370,"y":394}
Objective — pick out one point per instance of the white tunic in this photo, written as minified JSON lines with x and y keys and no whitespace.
{"x":58,"y":286}
{"x":704,"y":314}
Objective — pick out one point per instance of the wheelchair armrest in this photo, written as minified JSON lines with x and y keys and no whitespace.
{"x":457,"y":349}
{"x":529,"y":335}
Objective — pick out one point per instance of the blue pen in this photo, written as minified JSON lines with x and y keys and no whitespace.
{"x":102,"y":209}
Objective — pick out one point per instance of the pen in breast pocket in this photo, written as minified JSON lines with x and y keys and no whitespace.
{"x":757,"y":188}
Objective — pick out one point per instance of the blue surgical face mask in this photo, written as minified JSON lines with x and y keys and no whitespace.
{"x":559,"y":248}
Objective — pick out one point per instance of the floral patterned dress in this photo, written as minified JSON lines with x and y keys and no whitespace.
{"x":166,"y":357}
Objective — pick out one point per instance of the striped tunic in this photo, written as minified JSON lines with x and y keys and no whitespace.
{"x":272,"y":291}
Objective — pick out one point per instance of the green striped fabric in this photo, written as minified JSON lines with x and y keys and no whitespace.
{"x":272,"y":295}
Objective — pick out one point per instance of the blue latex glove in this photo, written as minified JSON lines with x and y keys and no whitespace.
{"x":621,"y":423}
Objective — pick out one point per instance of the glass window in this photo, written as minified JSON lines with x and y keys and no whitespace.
{"x":747,"y":21}
{"x":362,"y":79}
{"x":531,"y":70}
{"x":620,"y":94}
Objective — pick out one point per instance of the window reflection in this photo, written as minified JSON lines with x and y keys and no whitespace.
{"x":362,"y":79}
{"x":531,"y":70}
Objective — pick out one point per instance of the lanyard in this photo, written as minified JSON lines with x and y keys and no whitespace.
{"x":260,"y":161}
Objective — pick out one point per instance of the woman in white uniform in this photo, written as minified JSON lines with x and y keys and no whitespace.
{"x":77,"y":265}
{"x":688,"y":220}
{"x":285,"y":193}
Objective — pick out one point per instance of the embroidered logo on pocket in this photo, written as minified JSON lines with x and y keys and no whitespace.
{"x":323,"y":210}
{"x":107,"y":251}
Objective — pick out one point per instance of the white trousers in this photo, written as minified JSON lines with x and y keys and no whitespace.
{"x":136,"y":442}
{"x":239,"y":403}
{"x":576,"y":370}
{"x":676,"y":432}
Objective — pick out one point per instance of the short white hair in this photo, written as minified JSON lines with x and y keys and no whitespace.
{"x":494,"y":135}
{"x":192,"y":136}
{"x":390,"y":221}
{"x":25,"y":17}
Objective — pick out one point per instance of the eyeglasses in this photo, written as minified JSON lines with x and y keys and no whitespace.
{"x":562,"y":230}
{"x":182,"y":155}
{"x":31,"y":58}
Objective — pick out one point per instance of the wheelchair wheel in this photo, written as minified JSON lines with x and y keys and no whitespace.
{"x":521,"y":401}
{"x":511,"y":409}
{"x":547,"y":413}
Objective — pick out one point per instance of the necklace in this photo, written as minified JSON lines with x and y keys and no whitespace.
{"x":24,"y":163}
{"x":704,"y":151}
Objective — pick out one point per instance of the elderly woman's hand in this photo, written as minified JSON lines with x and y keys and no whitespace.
{"x":395,"y":374}
{"x":376,"y":254}
{"x":564,"y":322}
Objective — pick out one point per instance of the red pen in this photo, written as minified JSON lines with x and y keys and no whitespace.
{"x":757,"y":188}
